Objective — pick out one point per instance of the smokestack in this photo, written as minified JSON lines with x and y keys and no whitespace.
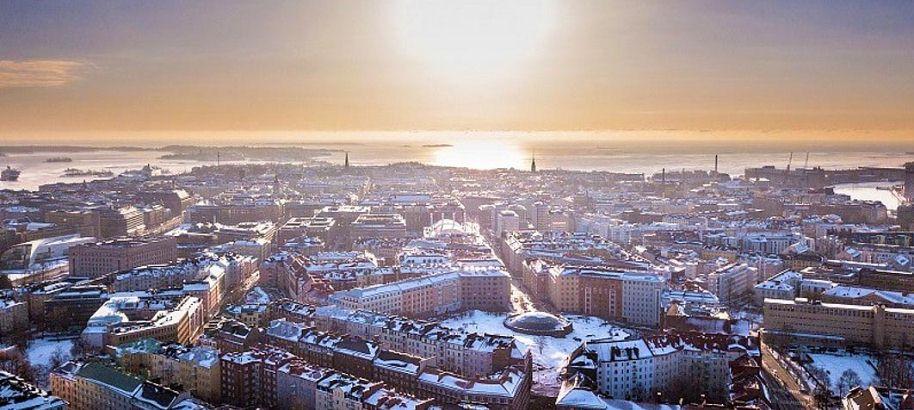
{"x":715,"y":163}
{"x":663,"y":176}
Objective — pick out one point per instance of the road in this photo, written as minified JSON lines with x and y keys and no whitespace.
{"x":785,"y":392}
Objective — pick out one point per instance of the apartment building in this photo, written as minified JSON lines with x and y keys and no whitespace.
{"x":196,"y":368}
{"x":128,"y":318}
{"x":466,"y":288}
{"x":609,"y":293}
{"x":96,"y":386}
{"x":452,"y":350}
{"x":17,"y":394}
{"x":669,"y":363}
{"x":249,"y":378}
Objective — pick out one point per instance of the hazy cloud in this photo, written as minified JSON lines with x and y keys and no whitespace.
{"x":39,"y":73}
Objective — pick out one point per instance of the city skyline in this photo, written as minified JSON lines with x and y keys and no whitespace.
{"x":833,"y":70}
{"x":456,"y":204}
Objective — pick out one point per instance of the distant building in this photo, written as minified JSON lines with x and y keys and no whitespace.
{"x":506,"y":221}
{"x":120,"y":221}
{"x":14,"y":315}
{"x":909,"y":181}
{"x":378,"y":226}
{"x":733,"y":283}
{"x":92,"y":260}
{"x":39,"y":260}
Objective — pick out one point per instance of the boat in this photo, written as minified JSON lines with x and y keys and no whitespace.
{"x":9,"y":174}
{"x":59,"y":159}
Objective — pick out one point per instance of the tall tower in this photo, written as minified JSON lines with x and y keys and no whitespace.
{"x":533,"y":163}
{"x":346,"y":163}
{"x":715,"y":163}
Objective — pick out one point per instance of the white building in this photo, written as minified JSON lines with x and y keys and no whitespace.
{"x":670,"y":364}
{"x":784,"y":285}
{"x":506,"y":221}
{"x":641,"y":298}
{"x":733,"y":282}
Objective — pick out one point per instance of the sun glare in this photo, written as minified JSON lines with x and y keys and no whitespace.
{"x":472,"y":37}
{"x":481,"y":154}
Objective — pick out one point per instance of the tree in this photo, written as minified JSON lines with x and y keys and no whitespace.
{"x":13,"y":361}
{"x":895,"y":370}
{"x":847,"y":381}
{"x":819,"y":374}
{"x":821,"y":396}
{"x":541,"y":343}
{"x":58,"y":358}
{"x":80,"y":349}
{"x":638,"y":392}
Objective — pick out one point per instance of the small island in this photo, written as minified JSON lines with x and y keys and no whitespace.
{"x":73,"y":173}
{"x":59,"y":159}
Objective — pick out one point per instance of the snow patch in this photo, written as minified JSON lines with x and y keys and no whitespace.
{"x":549,"y":353}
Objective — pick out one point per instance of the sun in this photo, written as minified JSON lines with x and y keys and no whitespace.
{"x":471,"y":37}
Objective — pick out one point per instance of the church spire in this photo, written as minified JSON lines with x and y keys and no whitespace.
{"x":533,"y":162}
{"x":346,"y":163}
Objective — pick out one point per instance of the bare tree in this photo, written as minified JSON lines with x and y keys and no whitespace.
{"x":819,"y":374}
{"x":821,"y":396}
{"x":16,"y":363}
{"x":540,"y":343}
{"x":58,"y":358}
{"x":848,"y":380}
{"x":895,"y":370}
{"x":80,"y":349}
{"x":638,"y":392}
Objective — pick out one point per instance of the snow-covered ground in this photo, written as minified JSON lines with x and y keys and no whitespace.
{"x":41,"y":351}
{"x":549,"y":353}
{"x":837,"y":363}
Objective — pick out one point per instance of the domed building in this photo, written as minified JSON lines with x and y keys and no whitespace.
{"x":539,"y":323}
{"x":445,"y":228}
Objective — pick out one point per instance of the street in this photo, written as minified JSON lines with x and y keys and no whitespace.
{"x":785,"y":392}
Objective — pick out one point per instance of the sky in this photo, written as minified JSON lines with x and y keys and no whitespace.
{"x":109,"y":67}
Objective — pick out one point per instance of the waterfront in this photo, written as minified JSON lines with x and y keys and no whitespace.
{"x":871,"y":191}
{"x":474,"y":152}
